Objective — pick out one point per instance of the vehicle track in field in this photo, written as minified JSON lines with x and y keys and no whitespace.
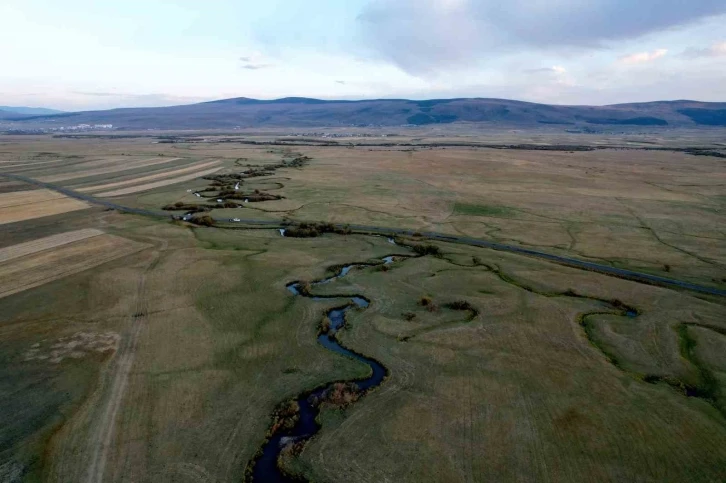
{"x":101,"y":442}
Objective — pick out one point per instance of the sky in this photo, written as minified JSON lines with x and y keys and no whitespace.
{"x":99,"y":54}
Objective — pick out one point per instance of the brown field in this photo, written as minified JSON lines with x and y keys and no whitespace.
{"x":59,"y":256}
{"x":59,"y":165}
{"x":142,"y":179}
{"x":47,"y":243}
{"x":20,"y":198}
{"x":12,"y":165}
{"x":26,"y":205}
{"x":158,"y":184}
{"x":125,"y":166}
{"x":8,"y":186}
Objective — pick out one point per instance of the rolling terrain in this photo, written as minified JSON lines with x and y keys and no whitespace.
{"x":304,"y":112}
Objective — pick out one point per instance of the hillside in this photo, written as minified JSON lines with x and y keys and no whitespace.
{"x":305,"y":112}
{"x":29,"y":111}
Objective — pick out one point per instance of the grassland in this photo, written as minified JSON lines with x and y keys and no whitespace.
{"x":135,"y":349}
{"x":521,"y":392}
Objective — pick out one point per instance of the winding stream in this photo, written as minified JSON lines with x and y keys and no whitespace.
{"x":265,"y":468}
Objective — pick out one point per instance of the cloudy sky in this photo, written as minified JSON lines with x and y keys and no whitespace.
{"x":96,"y":54}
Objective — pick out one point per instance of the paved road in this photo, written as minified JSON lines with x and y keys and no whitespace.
{"x":571,"y":262}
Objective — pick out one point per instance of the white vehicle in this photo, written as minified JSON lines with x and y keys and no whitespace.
{"x":236,"y":219}
{"x":189,"y":191}
{"x":219,"y":200}
{"x":197,"y":195}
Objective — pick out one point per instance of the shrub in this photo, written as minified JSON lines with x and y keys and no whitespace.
{"x":617,"y":303}
{"x":325,"y":325}
{"x":285,"y":416}
{"x":204,"y":220}
{"x":460,"y":305}
{"x":335,"y":268}
{"x":427,"y":249}
{"x":179,"y":206}
{"x":304,"y":288}
{"x":340,"y":394}
{"x":425,"y":301}
{"x":303,"y":230}
{"x":409,"y":316}
{"x":255,"y":197}
{"x":310,"y":230}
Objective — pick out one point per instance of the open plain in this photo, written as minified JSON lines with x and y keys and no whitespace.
{"x":145,"y":335}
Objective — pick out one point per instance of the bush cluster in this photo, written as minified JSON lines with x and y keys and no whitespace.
{"x":427,"y":249}
{"x":285,"y":417}
{"x":179,"y":206}
{"x":428,"y":303}
{"x":460,"y":305}
{"x":311,"y":230}
{"x":340,"y":394}
{"x":203,"y":220}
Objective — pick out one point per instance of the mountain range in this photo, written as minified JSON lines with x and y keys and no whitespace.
{"x":28,"y":111}
{"x":305,"y":112}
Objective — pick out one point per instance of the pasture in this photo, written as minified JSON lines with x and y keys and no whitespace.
{"x":143,"y":349}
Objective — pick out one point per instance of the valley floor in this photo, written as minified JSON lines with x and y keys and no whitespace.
{"x":135,"y":348}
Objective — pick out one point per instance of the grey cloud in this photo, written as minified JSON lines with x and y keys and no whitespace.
{"x":254,"y":62}
{"x":425,"y":35}
{"x":256,"y":66}
{"x":715,"y":50}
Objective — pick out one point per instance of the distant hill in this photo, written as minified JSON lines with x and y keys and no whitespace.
{"x":8,"y":115}
{"x":31,"y":111}
{"x":305,"y":112}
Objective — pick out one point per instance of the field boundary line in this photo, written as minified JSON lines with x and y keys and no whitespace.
{"x":156,"y":176}
{"x":46,"y":243}
{"x":625,"y":274}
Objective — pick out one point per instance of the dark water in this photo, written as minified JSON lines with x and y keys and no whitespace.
{"x":265,"y":469}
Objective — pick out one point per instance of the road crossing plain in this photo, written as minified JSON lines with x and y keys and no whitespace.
{"x":136,"y":348}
